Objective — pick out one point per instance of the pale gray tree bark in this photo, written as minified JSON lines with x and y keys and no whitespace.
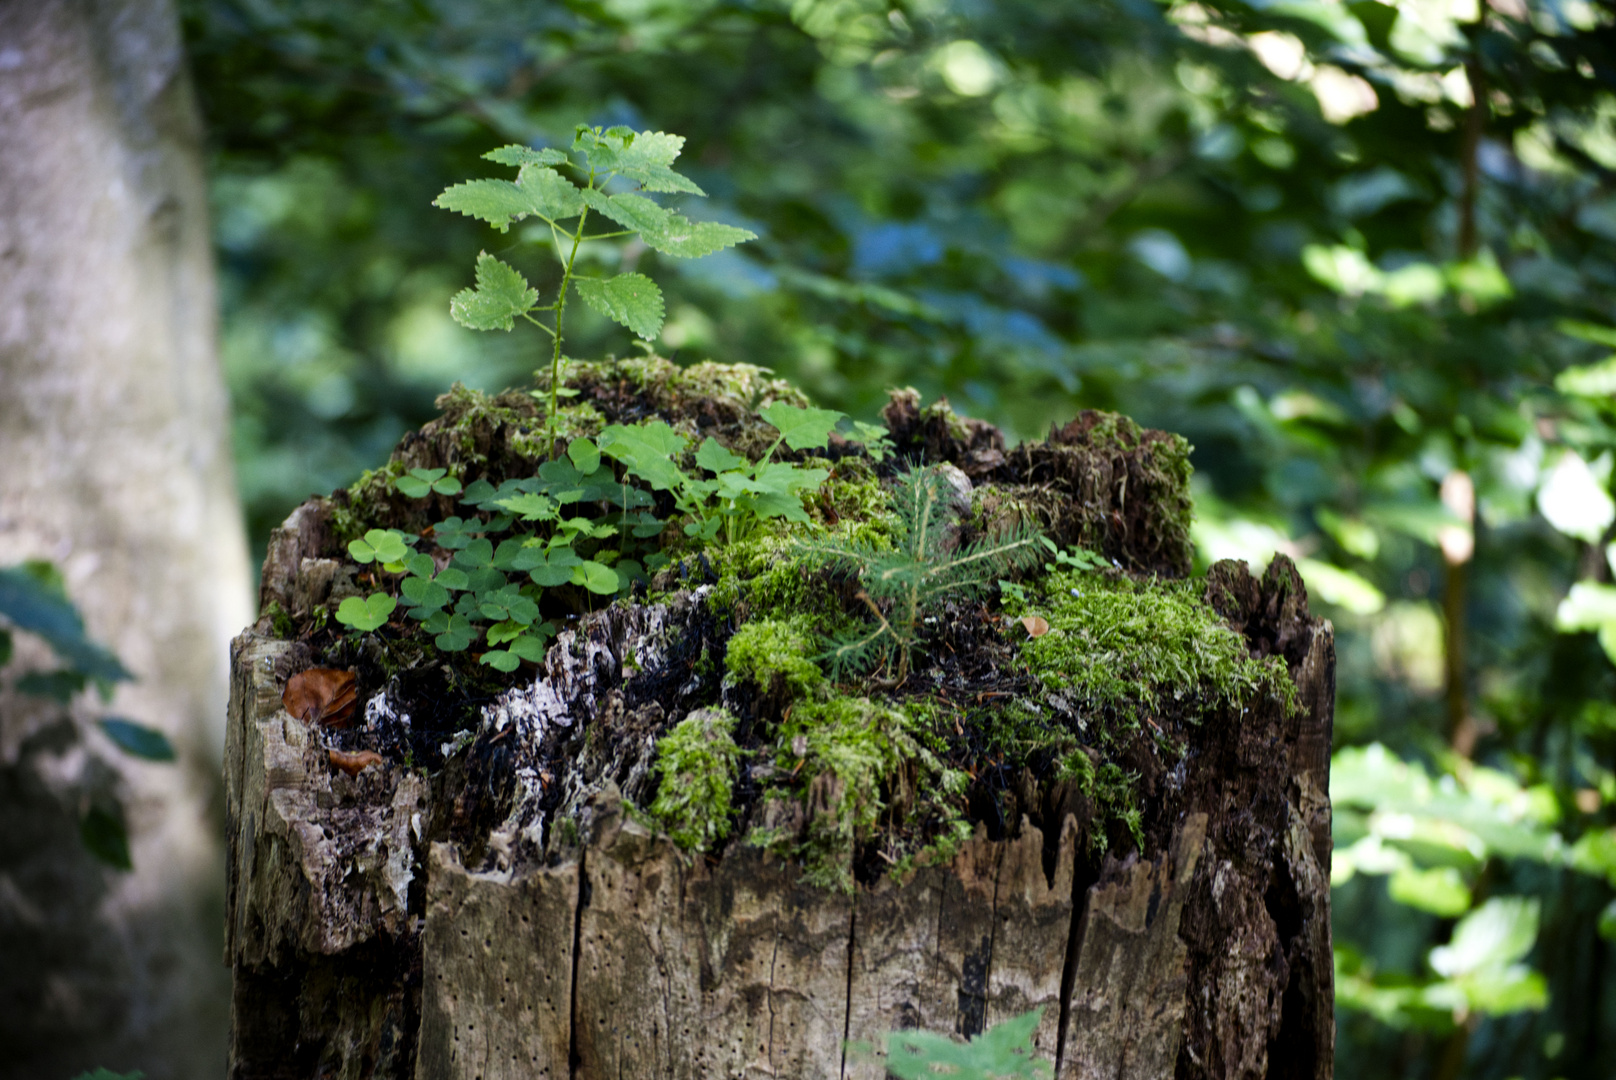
{"x":114,"y":464}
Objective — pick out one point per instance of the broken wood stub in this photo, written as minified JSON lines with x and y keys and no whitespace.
{"x":413,"y":922}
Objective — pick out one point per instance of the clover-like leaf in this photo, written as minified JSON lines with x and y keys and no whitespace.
{"x":501,"y":660}
{"x":457,"y":634}
{"x":630,"y":299}
{"x":418,"y":483}
{"x":556,"y":569}
{"x":802,"y":429}
{"x":530,"y":646}
{"x":501,"y":632}
{"x":138,"y":739}
{"x":423,"y":595}
{"x":713,"y":456}
{"x":475,"y":555}
{"x":595,"y":577}
{"x":379,"y":545}
{"x":367,"y":614}
{"x":501,"y":294}
{"x":453,"y":533}
{"x":516,"y":156}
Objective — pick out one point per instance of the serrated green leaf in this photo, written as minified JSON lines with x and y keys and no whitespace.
{"x":649,"y":451}
{"x":630,"y":211}
{"x":630,"y":299}
{"x":692,"y":239}
{"x":138,"y":739}
{"x":517,"y":155}
{"x":664,"y":230}
{"x":536,"y":191}
{"x":802,"y":429}
{"x":501,"y":294}
{"x":529,"y":507}
{"x":714,"y":457}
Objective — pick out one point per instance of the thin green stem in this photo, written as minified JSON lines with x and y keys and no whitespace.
{"x":561,"y":314}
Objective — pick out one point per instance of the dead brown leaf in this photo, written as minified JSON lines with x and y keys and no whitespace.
{"x":353,"y":764}
{"x":321,"y":696}
{"x":1037,"y":625}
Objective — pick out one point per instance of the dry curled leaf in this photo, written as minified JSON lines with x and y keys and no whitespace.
{"x":353,"y":764}
{"x":321,"y":696}
{"x":1037,"y":625}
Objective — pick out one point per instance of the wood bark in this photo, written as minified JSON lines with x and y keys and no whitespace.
{"x":381,"y":945}
{"x":113,"y":434}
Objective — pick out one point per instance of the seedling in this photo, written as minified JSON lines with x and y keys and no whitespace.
{"x":597,"y":158}
{"x":900,"y":584}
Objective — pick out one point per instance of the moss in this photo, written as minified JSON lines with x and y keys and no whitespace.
{"x":860,"y":775}
{"x":1121,"y":645}
{"x":367,"y":502}
{"x":280,"y":623}
{"x":697,"y":762}
{"x":772,"y":653}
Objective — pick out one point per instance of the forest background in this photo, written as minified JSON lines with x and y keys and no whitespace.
{"x":1362,"y":254}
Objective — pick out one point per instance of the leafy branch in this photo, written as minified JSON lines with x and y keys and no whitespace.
{"x":597,"y":157}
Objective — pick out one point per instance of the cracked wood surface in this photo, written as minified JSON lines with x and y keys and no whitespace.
{"x":366,"y":941}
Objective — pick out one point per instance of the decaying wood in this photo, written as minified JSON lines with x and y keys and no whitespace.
{"x":460,"y":925}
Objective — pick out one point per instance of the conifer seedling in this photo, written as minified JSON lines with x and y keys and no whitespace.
{"x":540,"y":191}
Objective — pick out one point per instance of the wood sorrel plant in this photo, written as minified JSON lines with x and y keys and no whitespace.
{"x":597,"y":158}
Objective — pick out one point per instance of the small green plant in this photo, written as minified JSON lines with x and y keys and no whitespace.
{"x":901,"y":583}
{"x":741,"y":493}
{"x":596,"y":158}
{"x":1003,"y":1052}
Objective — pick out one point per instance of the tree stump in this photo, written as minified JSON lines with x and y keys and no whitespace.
{"x":500,"y":908}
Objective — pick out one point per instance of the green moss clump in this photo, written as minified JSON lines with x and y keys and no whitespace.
{"x":1121,"y":644}
{"x":862,"y":772}
{"x":697,"y":762}
{"x":772,"y":652}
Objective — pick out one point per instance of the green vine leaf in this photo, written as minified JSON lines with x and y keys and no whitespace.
{"x":501,"y":295}
{"x":630,"y":299}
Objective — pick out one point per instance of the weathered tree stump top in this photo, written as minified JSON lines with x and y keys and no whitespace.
{"x":1131,"y":839}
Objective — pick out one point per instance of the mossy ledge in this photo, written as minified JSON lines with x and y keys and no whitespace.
{"x":1092,"y":713}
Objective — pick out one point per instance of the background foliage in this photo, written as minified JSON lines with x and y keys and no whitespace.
{"x":1283,"y":228}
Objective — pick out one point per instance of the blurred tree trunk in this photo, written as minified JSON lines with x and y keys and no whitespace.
{"x":116,"y":467}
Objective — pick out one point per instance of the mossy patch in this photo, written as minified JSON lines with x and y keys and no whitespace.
{"x":774,"y":656}
{"x":697,"y":761}
{"x":1135,"y":648}
{"x":857,"y":765}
